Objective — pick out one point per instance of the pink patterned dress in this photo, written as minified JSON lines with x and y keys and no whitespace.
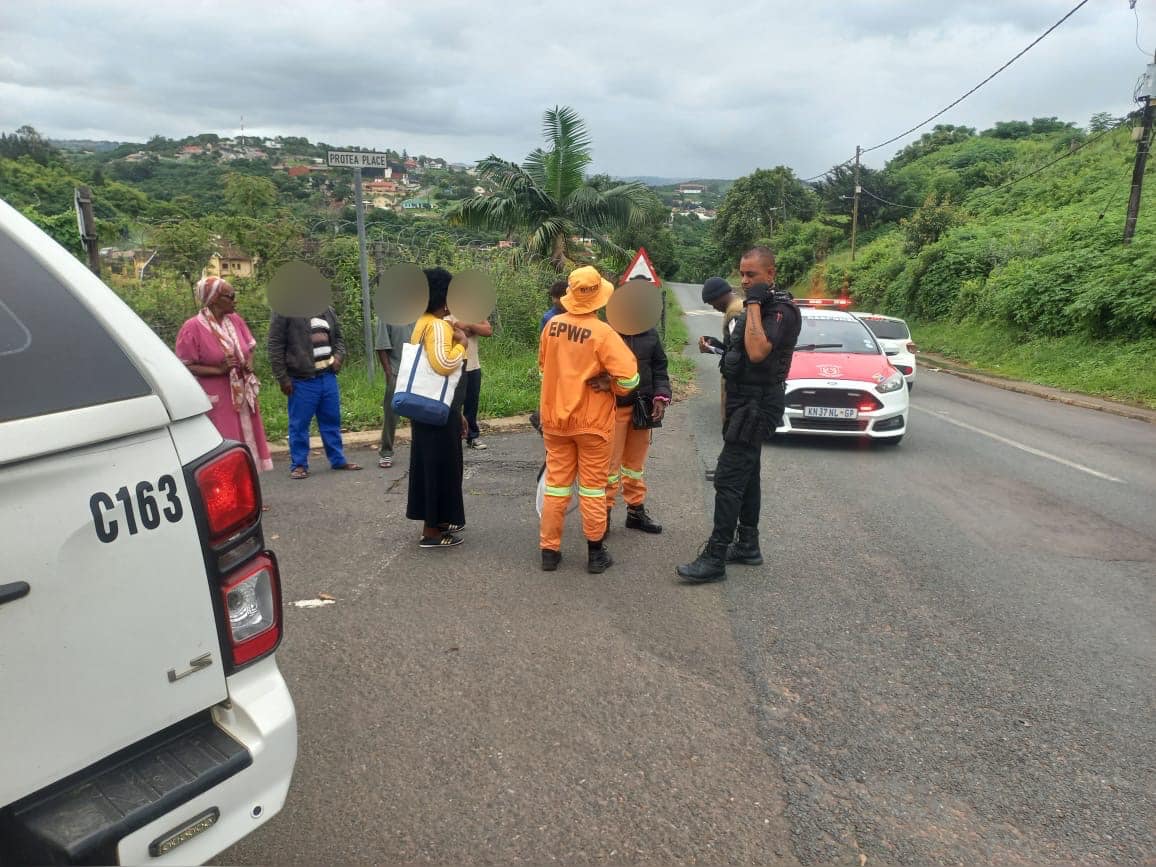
{"x":235,"y":412}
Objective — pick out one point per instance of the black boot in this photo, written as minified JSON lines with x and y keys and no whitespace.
{"x":598,"y":559}
{"x":550,"y":559}
{"x":745,"y":548}
{"x":638,"y":519}
{"x":709,"y":566}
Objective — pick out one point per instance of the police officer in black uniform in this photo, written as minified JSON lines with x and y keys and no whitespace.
{"x":755,"y":365}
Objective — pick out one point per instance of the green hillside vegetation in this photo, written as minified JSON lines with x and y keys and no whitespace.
{"x":147,"y":199}
{"x":1030,"y":274}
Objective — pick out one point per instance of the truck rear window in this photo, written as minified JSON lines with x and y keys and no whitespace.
{"x":53,"y":355}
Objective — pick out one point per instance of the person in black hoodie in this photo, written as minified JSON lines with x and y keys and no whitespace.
{"x":635,"y":416}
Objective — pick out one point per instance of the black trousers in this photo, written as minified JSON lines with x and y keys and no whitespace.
{"x":737,"y":491}
{"x":470,"y":409}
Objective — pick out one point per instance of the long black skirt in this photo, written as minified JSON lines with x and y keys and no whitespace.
{"x":435,"y":474}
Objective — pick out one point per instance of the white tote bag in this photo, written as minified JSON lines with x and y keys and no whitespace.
{"x":422,"y":394}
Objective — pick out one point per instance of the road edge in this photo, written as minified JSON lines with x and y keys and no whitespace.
{"x":955,"y":368}
{"x":368,"y":438}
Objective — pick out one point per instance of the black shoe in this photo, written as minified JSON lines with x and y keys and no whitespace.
{"x":710,"y":565}
{"x":638,"y":519}
{"x":598,"y":559}
{"x":445,"y":540}
{"x":550,"y":559}
{"x":745,"y":548}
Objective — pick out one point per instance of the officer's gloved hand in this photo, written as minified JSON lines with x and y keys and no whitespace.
{"x":760,"y":293}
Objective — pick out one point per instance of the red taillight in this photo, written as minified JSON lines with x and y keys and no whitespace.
{"x":229,"y":491}
{"x":912,"y":348}
{"x":251,"y":599}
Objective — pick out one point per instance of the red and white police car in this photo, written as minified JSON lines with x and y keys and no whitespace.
{"x":841,"y":382}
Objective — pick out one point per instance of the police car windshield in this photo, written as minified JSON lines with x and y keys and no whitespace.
{"x":831,"y":334}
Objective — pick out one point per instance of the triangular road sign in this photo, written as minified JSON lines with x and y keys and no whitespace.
{"x":641,"y":265}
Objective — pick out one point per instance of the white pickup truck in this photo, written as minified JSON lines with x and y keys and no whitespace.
{"x":143,"y":718}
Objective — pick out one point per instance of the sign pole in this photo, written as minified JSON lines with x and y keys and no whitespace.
{"x":86,"y":223}
{"x":369,"y":365}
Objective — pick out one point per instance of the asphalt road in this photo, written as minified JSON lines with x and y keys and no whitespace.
{"x":948,"y":657}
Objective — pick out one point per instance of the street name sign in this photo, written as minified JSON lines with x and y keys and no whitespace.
{"x":357,"y":160}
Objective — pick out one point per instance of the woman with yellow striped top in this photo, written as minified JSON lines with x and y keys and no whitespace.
{"x":435,"y":455}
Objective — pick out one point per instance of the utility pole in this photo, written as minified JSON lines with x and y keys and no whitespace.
{"x":1142,"y":147}
{"x":86,"y":223}
{"x":855,"y":206}
{"x":370,"y":367}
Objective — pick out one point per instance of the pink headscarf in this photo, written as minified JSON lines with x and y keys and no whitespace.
{"x":208,"y":288}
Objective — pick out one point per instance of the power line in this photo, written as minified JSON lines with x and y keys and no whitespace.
{"x":1048,"y":165}
{"x":1137,"y":14}
{"x":952,"y":105}
{"x":833,"y":168}
{"x":887,"y":201}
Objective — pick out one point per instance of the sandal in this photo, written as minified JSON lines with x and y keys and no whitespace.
{"x":348,"y":466}
{"x":385,"y":463}
{"x":299,"y":473}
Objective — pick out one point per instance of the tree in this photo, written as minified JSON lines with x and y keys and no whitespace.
{"x":1103,"y":120}
{"x":928,"y":224}
{"x":837,"y":192}
{"x":755,"y":203}
{"x":547,"y":198}
{"x":941,"y":135}
{"x":26,"y":141}
{"x":249,"y":196}
{"x":184,"y":247}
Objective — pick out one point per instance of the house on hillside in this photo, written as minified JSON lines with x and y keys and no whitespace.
{"x":396,"y":171}
{"x":691,"y":189}
{"x":298,"y":171}
{"x":126,"y":262}
{"x":417,"y":205}
{"x":380,"y":186}
{"x":228,"y":260}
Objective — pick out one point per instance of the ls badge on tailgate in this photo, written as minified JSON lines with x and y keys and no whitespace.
{"x":202,"y":661}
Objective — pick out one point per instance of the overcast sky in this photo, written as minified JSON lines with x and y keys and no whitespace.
{"x":677,"y":88}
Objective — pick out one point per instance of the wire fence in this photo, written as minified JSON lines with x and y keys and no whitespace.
{"x":165,"y":301}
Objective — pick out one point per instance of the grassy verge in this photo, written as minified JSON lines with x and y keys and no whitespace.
{"x":681,"y":369}
{"x":509,"y":383}
{"x":1118,"y":369}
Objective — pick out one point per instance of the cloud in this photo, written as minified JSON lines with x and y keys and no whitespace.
{"x":668,"y":88}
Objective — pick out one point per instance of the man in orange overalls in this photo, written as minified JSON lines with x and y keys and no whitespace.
{"x":584,"y":364}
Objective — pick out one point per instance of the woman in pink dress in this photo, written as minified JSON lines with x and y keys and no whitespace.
{"x":217,"y":347}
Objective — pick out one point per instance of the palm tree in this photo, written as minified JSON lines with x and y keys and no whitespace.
{"x":548,"y":199}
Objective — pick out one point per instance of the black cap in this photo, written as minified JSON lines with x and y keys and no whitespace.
{"x":715,"y":288}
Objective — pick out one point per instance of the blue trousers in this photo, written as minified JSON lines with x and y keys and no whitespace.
{"x":315,"y":397}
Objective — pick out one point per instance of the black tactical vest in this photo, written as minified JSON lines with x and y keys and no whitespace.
{"x":772,"y":371}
